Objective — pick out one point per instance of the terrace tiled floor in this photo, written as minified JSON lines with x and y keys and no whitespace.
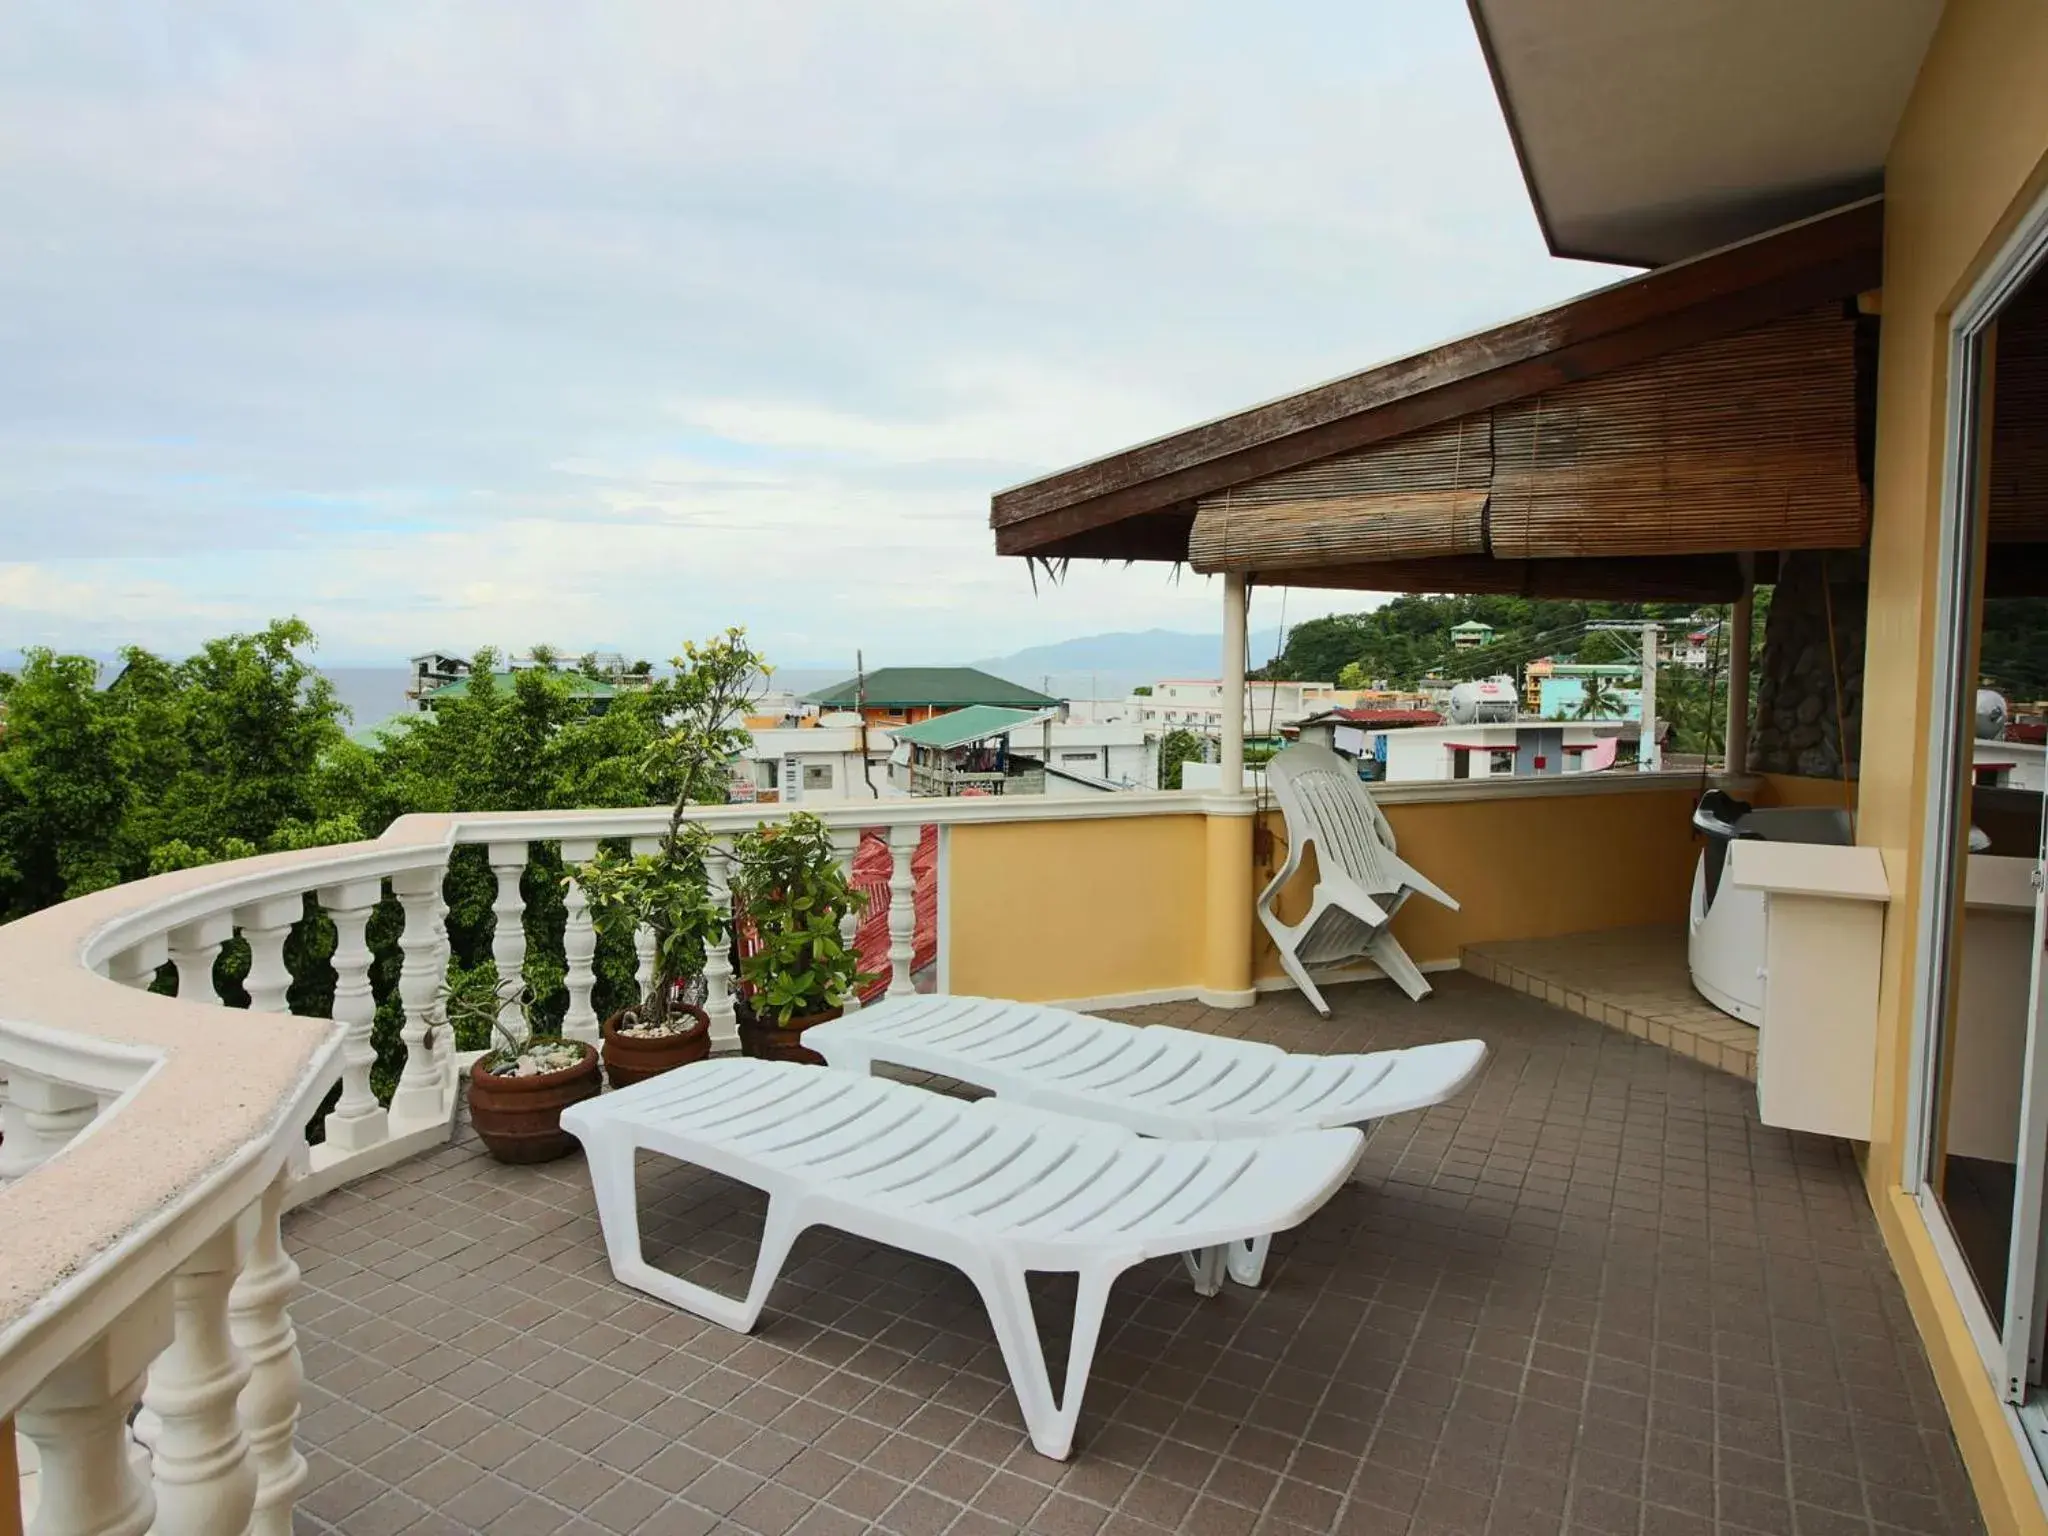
{"x":1591,"y":1295}
{"x":1634,"y":979}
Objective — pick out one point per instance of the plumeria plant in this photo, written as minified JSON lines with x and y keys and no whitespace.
{"x":789,"y":887}
{"x":667,"y":892}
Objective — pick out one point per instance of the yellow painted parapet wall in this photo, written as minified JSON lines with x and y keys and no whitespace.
{"x":1527,"y":867}
{"x":1152,"y":905}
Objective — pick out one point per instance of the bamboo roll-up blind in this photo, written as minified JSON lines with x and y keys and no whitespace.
{"x":1743,"y":442}
{"x":1421,"y":495}
{"x":2016,"y":494}
{"x":1690,"y":579}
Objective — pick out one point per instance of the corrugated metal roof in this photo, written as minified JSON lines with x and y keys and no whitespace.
{"x":977,"y":722}
{"x":928,"y":688}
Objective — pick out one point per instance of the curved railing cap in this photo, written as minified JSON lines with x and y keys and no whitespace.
{"x":205,"y":1088}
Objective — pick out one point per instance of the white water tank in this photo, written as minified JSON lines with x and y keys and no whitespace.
{"x":1491,"y":702}
{"x":1990,"y":715}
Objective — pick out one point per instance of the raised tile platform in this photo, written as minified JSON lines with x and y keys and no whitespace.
{"x":1631,"y":979}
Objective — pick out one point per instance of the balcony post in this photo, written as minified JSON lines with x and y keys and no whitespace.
{"x":78,"y":1421}
{"x":205,"y":1481}
{"x":193,"y":949}
{"x":725,"y":1029}
{"x":508,"y":937}
{"x":418,"y":1096}
{"x":579,"y":948}
{"x":357,"y":1119}
{"x":262,"y":1326}
{"x":1233,"y":681}
{"x":266,"y":925}
{"x":847,"y":841}
{"x":903,"y":841}
{"x":1741,"y":623}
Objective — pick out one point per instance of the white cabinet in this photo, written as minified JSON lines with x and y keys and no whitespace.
{"x":1824,"y":936}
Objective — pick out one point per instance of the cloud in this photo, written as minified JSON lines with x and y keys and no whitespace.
{"x":476,"y":321}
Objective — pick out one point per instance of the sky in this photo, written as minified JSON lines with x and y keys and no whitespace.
{"x":444,"y":324}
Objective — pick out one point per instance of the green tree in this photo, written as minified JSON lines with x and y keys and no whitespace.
{"x":1175,"y":749}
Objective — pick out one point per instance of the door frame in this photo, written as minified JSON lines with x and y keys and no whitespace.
{"x":2005,"y":1343}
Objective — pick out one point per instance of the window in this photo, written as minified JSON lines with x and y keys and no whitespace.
{"x":1503,"y":760}
{"x":1461,"y":763}
{"x":1077,"y":757}
{"x":817,"y":775}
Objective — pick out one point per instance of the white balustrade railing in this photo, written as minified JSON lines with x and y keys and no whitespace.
{"x":152,"y":1142}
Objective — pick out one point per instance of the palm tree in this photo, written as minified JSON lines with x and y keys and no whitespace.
{"x":1599,"y":699}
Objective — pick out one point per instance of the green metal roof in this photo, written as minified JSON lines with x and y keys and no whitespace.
{"x":583,"y":687}
{"x":977,"y":722}
{"x":928,"y":688}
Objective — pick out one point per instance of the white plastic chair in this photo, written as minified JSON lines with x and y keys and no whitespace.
{"x":993,"y":1188}
{"x":1361,"y":882}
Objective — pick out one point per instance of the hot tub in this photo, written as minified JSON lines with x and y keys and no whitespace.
{"x":1725,"y":940}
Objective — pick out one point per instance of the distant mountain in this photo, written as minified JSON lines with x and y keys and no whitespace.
{"x":1110,"y":665}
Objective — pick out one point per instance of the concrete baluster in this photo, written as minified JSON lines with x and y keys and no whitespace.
{"x":137,"y":965}
{"x":442,"y":1041}
{"x":193,"y":949}
{"x":266,"y":925}
{"x":725,"y":1031}
{"x":902,"y":909}
{"x":41,"y":1116}
{"x":418,"y":1096}
{"x":643,"y":936}
{"x":262,"y":1327}
{"x":357,"y":1119}
{"x":78,"y":1422}
{"x":579,"y":948}
{"x":508,"y":938}
{"x":205,"y":1480}
{"x":847,"y":841}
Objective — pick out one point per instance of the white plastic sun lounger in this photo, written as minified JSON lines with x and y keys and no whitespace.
{"x":1155,"y":1080}
{"x":993,"y":1188}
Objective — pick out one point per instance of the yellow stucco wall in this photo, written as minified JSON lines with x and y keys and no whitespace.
{"x":1109,"y":907}
{"x":1970,"y":156}
{"x":1527,"y":867}
{"x":1070,"y":909}
{"x":1785,"y":789}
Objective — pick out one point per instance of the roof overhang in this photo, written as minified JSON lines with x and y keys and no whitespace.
{"x":1650,"y":132}
{"x":1140,"y":503}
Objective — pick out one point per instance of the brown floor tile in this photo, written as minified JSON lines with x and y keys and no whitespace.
{"x":1592,"y":1294}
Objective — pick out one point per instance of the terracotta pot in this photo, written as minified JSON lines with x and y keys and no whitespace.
{"x":520,"y":1118}
{"x":630,"y":1059}
{"x":783,"y":1042}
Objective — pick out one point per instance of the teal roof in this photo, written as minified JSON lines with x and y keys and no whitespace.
{"x":977,"y":722}
{"x":581,"y":686}
{"x":1471,"y":626}
{"x":928,"y":688}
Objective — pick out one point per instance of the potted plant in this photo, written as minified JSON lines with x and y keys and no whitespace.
{"x":790,"y":891}
{"x":703,"y":705}
{"x":519,"y":1088}
{"x":667,"y":893}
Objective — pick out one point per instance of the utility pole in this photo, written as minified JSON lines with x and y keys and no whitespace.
{"x":1649,"y":756}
